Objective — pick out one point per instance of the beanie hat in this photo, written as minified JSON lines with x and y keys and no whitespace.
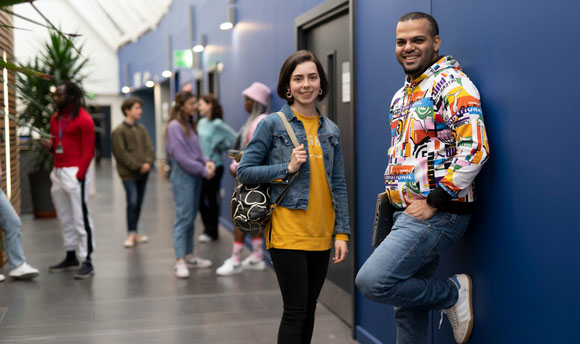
{"x":258,"y":92}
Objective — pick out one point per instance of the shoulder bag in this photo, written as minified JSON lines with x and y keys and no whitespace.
{"x":250,"y":206}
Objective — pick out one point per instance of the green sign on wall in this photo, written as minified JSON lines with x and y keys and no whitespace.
{"x":182,"y":58}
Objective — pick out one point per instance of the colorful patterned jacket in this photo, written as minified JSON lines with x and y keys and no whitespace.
{"x":438,"y":139}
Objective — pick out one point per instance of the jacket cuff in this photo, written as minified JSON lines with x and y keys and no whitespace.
{"x":341,"y":236}
{"x":438,"y":196}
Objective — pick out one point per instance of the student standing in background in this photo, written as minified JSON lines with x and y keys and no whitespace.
{"x":215,"y":137}
{"x":134,"y":154}
{"x":188,"y":168}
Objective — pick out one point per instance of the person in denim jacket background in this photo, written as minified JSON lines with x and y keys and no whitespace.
{"x":314,"y":212}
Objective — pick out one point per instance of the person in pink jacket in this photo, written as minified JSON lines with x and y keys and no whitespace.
{"x":256,"y":104}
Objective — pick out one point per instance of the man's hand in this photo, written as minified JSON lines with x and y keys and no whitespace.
{"x":299,"y":157}
{"x":340,"y":251}
{"x":47,"y":144}
{"x":145,"y":168}
{"x":419,"y":208}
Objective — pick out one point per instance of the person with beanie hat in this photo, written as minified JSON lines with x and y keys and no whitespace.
{"x":256,"y":101}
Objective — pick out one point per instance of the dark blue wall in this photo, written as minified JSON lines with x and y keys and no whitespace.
{"x":521,"y":248}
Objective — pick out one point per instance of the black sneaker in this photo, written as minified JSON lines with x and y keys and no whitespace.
{"x":86,"y":271}
{"x":66,"y":265}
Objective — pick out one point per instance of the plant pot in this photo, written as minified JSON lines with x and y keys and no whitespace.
{"x":40,"y":185}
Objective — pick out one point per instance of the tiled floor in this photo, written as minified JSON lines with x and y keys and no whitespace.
{"x":134,"y":296}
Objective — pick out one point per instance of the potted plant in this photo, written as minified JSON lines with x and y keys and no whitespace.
{"x":62,"y":61}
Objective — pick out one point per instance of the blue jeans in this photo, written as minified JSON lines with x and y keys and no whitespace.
{"x":402,"y":271}
{"x":186,"y":193}
{"x":12,"y":226}
{"x":135,"y":191}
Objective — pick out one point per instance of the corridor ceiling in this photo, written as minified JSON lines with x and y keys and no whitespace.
{"x":116,"y":22}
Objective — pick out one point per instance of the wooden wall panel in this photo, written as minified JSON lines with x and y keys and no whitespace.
{"x":7,"y":45}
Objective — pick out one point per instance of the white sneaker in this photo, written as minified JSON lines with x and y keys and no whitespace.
{"x":250,"y":263}
{"x":460,"y":315}
{"x":24,"y":272}
{"x":198,"y":262}
{"x":181,"y":270}
{"x":229,"y":268}
{"x":140,"y":238}
{"x":2,"y":278}
{"x":204,"y":238}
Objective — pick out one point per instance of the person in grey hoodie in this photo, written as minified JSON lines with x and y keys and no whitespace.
{"x":188,"y":168}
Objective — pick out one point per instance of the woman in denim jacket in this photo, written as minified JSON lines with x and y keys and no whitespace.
{"x":314,"y":213}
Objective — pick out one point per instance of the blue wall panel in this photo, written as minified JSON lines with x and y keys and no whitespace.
{"x":379,"y":76}
{"x":521,"y":246}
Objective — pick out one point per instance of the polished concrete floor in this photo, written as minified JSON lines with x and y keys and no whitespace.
{"x":134,"y":296}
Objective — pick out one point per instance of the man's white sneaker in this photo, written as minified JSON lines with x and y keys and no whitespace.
{"x":460,"y":315}
{"x":2,"y":278}
{"x":229,"y":268}
{"x":198,"y":262}
{"x":250,"y":263}
{"x":204,"y":238}
{"x":181,"y":270}
{"x":24,"y":272}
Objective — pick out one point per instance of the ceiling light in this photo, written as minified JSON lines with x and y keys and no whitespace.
{"x":166,"y":74}
{"x":200,"y":46}
{"x":230,"y":21}
{"x":126,"y":89}
{"x":150,"y":83}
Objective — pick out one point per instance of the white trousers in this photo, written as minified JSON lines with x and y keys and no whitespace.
{"x":70,"y":198}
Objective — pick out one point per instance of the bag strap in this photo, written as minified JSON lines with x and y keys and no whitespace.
{"x":288,"y":129}
{"x":295,"y":142}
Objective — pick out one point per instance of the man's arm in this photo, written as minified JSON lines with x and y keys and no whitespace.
{"x":462,"y":112}
{"x":87,"y":143}
{"x":121,"y":153}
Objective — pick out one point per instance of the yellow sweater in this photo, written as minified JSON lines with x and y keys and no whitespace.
{"x":310,"y":229}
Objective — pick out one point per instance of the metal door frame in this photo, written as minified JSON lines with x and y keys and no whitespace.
{"x":316,"y":16}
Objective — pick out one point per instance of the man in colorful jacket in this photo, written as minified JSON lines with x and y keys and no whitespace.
{"x":438,"y":146}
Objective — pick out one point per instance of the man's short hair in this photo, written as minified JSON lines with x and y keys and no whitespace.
{"x":129,"y":102}
{"x":434,"y":27}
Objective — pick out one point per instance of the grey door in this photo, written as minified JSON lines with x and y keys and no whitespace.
{"x":325,"y":31}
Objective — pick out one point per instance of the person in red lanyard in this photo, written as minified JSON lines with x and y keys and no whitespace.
{"x":73,"y":146}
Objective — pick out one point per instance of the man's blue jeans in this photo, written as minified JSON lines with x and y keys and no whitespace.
{"x":186,"y":193}
{"x":402,"y":271}
{"x":12,"y":226}
{"x":135,"y":191}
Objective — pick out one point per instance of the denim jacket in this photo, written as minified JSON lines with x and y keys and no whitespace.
{"x":267,"y":155}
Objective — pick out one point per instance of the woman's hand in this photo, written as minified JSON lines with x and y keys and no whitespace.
{"x":210,"y":167}
{"x":340,"y":251}
{"x":299,"y":157}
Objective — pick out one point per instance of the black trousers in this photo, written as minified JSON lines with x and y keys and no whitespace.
{"x":209,"y":205}
{"x":300,"y":275}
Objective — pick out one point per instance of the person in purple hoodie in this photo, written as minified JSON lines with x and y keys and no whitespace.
{"x":188,"y":168}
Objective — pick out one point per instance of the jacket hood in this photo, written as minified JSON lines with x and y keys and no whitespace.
{"x":445,"y":62}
